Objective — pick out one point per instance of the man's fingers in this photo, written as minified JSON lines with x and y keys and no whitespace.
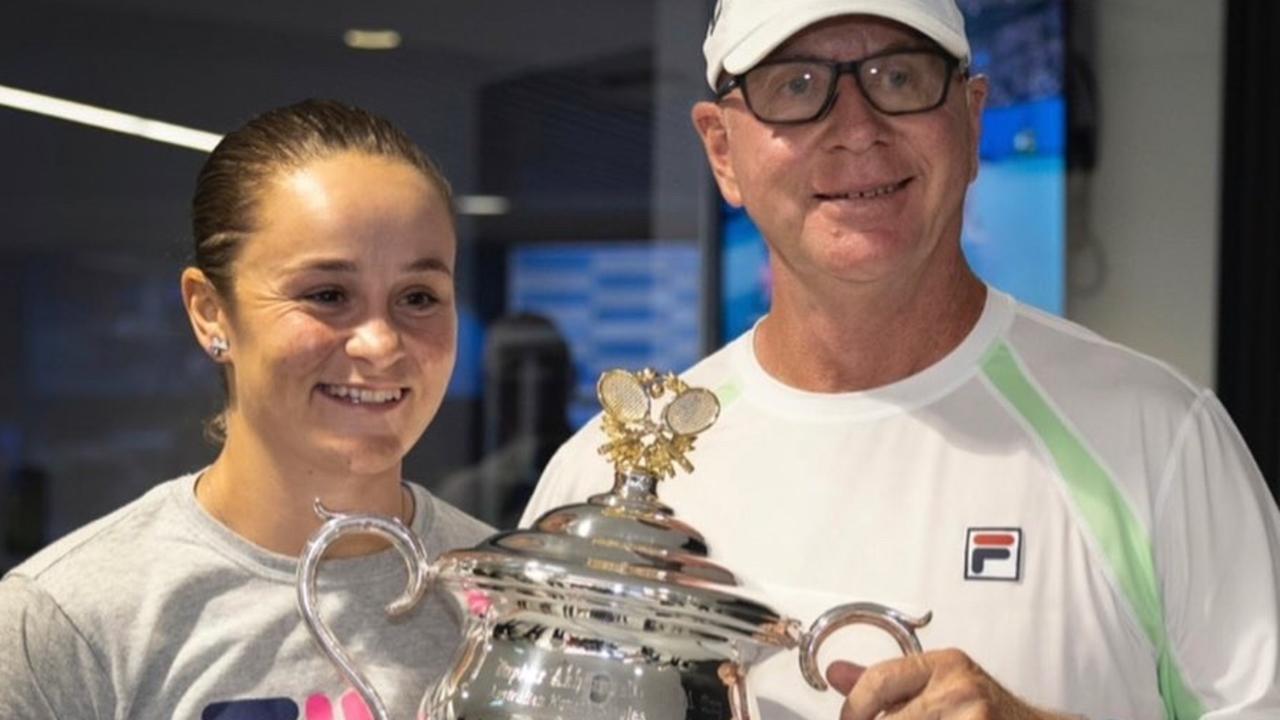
{"x":842,"y":676}
{"x":934,"y":684}
{"x":885,"y":686}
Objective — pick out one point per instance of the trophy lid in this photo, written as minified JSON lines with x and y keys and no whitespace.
{"x":622,"y":560}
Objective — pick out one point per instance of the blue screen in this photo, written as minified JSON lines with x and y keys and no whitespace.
{"x":617,"y":304}
{"x":1015,"y":216}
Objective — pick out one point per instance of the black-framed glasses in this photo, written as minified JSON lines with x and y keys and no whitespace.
{"x":794,"y":91}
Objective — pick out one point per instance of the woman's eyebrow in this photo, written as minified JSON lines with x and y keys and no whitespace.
{"x":429,"y":264}
{"x":338,"y":265}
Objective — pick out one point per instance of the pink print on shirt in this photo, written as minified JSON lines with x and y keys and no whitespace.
{"x":317,"y":707}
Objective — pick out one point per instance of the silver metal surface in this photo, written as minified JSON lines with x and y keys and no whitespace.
{"x":899,"y":625}
{"x":420,"y":576}
{"x":523,"y":667}
{"x":609,"y":609}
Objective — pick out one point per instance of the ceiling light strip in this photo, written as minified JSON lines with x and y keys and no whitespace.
{"x":482,"y":205}
{"x":175,"y":135}
{"x":108,"y":119}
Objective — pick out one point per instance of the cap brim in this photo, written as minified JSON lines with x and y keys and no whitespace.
{"x":788,"y":21}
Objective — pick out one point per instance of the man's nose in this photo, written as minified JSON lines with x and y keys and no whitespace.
{"x":852,"y":121}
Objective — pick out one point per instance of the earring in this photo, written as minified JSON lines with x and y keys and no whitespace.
{"x":218,"y":346}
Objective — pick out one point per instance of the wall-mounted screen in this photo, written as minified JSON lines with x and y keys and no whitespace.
{"x":618,"y":304}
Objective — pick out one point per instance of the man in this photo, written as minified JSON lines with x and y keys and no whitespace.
{"x":1087,"y":526}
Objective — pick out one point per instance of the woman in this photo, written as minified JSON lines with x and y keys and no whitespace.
{"x":323,"y":288}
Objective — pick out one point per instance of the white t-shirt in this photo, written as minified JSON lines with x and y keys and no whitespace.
{"x":1082,"y":521}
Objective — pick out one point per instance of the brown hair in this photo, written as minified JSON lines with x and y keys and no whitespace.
{"x":229,"y":184}
{"x":223,"y":209}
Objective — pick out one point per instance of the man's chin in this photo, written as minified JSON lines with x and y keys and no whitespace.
{"x":864,"y":257}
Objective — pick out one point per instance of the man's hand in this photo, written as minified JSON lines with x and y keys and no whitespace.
{"x":942,"y":684}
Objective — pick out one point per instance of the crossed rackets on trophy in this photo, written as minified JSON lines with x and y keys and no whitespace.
{"x":638,"y":442}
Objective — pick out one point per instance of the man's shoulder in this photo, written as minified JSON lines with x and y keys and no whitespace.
{"x":1064,"y":357}
{"x":716,"y":368}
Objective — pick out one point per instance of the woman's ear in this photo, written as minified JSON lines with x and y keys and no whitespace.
{"x":205,"y":310}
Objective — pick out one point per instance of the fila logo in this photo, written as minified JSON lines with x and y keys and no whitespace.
{"x":993,"y":554}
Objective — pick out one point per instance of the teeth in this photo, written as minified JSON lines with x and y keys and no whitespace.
{"x":877,"y":192}
{"x":867,"y":194}
{"x":360,"y":395}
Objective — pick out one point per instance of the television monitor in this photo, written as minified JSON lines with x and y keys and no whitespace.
{"x":617,"y":304}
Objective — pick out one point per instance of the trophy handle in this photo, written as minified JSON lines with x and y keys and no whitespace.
{"x":733,"y":679}
{"x":901,"y":626}
{"x":421,"y":573}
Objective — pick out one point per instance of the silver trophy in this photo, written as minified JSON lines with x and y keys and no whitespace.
{"x":605,"y":610}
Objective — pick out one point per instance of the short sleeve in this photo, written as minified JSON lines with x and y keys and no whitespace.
{"x":1217,"y":550}
{"x":48,"y":670}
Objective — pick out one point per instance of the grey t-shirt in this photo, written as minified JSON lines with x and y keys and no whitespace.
{"x":158,"y":611}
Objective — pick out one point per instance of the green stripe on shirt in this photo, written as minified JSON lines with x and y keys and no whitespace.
{"x":1104,"y":509}
{"x":729,"y":392}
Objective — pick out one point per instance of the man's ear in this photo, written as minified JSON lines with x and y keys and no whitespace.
{"x":976,"y":90}
{"x":709,"y":121}
{"x":205,"y":310}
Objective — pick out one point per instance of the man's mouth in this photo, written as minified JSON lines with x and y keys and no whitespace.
{"x":363,"y":396}
{"x":867,"y":194}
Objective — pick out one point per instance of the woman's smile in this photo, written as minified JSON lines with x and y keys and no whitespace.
{"x":362,"y":396}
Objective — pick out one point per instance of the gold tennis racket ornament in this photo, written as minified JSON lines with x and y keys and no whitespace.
{"x":638,"y":442}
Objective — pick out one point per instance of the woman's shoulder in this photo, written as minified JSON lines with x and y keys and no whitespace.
{"x":91,"y":561}
{"x":443,"y":526}
{"x":82,"y":587}
{"x":101,"y":536}
{"x":50,"y":668}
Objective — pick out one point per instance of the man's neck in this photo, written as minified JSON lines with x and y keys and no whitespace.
{"x":851,"y":338}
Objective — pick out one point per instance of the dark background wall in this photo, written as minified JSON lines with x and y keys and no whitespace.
{"x":1249,"y":310}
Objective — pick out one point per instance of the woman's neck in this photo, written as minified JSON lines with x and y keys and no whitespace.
{"x":269,"y":501}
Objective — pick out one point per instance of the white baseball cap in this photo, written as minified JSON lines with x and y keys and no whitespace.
{"x":743,"y":32}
